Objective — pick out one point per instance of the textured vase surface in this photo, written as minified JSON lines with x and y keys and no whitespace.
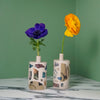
{"x":37,"y":75}
{"x":61,"y":73}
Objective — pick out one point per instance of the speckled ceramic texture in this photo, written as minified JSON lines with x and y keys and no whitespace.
{"x":37,"y":75}
{"x":61,"y":74}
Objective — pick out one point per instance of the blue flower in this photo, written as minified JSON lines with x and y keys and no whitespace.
{"x":37,"y":32}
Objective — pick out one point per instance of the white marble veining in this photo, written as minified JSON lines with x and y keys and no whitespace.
{"x":80,"y":89}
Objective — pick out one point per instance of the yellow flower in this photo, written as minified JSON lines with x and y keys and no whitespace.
{"x":72,"y":23}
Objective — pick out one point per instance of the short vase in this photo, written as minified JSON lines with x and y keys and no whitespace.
{"x":61,"y":73}
{"x":37,"y":74}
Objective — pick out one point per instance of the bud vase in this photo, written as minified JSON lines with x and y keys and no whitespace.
{"x":37,"y":75}
{"x":61,"y":73}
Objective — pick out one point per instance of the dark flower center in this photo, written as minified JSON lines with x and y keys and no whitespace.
{"x":37,"y":32}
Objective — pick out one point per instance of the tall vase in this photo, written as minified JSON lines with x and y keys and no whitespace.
{"x":37,"y":75}
{"x":61,"y":73}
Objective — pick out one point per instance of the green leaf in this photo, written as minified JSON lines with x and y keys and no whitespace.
{"x":32,"y":39}
{"x":34,"y":44}
{"x":39,"y":49}
{"x":34,"y":48}
{"x":42,"y":44}
{"x":42,"y":40}
{"x":31,"y":42}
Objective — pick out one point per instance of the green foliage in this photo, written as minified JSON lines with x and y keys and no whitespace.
{"x":35,"y":44}
{"x":41,"y":42}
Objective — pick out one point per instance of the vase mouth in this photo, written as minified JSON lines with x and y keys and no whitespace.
{"x":61,"y":56}
{"x":38,"y":56}
{"x":38,"y":59}
{"x":61,"y":53}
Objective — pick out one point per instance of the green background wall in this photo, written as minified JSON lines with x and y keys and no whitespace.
{"x":87,"y":44}
{"x":16,"y":16}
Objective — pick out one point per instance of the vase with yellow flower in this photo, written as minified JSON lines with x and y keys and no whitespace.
{"x":61,"y":67}
{"x":37,"y":70}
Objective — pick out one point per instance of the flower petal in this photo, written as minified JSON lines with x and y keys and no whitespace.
{"x":72,"y":22}
{"x":68,"y":33}
{"x":42,"y":27}
{"x":44,"y":33}
{"x":37,"y":26}
{"x":29,"y":32}
{"x":36,"y":37}
{"x":37,"y":32}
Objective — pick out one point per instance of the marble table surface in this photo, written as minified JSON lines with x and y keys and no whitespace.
{"x":80,"y":89}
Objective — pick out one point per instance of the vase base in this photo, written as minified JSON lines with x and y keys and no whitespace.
{"x":61,"y":88}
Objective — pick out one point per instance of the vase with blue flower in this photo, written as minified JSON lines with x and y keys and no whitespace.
{"x":37,"y":72}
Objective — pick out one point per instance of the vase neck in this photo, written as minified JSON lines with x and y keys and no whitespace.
{"x":61,"y":56}
{"x":38,"y":59}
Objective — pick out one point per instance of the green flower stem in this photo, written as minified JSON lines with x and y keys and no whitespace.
{"x":37,"y":47}
{"x":63,"y":44}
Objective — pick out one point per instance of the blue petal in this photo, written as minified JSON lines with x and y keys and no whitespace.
{"x":36,"y":37}
{"x":44,"y":33}
{"x":42,"y":27}
{"x":37,"y":26}
{"x":29,"y":32}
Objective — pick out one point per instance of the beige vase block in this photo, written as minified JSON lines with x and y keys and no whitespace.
{"x":61,"y":73}
{"x":37,"y":75}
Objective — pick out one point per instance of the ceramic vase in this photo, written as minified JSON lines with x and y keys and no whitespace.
{"x":61,"y":73}
{"x":37,"y":74}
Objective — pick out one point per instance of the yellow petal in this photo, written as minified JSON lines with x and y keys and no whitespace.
{"x":68,"y":33}
{"x":72,"y":23}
